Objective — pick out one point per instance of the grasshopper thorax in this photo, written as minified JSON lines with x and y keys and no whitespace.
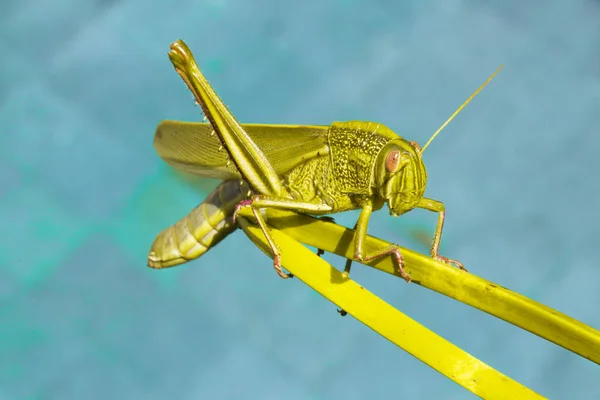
{"x":400,"y":175}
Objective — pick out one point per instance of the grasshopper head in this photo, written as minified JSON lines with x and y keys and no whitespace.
{"x":400,"y":175}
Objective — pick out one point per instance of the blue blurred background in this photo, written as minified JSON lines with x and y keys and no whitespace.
{"x":83,"y":194}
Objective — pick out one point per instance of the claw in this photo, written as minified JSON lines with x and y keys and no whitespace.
{"x":343,"y":313}
{"x":404,"y":275}
{"x":449,"y":261}
{"x":277,"y":266}
{"x":243,"y":203}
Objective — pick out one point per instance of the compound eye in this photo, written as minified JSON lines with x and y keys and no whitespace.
{"x":392,"y":160}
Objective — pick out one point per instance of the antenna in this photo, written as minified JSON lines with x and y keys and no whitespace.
{"x":460,"y":108}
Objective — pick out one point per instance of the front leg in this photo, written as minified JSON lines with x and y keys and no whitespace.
{"x":438,"y":206}
{"x":360,"y":236}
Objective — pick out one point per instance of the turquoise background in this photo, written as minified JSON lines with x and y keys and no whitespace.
{"x":83,"y":194}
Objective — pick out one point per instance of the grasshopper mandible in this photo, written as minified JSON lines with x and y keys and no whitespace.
{"x":315,"y":170}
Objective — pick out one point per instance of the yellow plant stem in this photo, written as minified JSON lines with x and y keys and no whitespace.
{"x":384,"y":319}
{"x":463,"y":286}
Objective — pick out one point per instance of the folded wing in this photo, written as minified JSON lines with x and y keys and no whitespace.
{"x":194,"y":148}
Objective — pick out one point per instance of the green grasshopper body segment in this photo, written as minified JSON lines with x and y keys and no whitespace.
{"x":308,"y":169}
{"x":200,"y":230}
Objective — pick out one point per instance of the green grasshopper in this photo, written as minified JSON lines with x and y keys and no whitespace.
{"x":315,"y":170}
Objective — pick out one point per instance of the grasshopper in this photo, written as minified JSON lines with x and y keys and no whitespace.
{"x":312,"y":169}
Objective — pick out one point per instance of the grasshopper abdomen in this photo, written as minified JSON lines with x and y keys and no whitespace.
{"x":201,"y":229}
